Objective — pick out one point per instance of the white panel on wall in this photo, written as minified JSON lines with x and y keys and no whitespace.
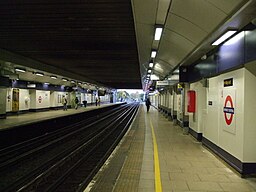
{"x":24,"y":99}
{"x":82,"y":97}
{"x":232,"y":143}
{"x":32,"y":93}
{"x":179,"y":107}
{"x":56,"y":98}
{"x":211,"y":130}
{"x":52,"y":99}
{"x":88,"y":98}
{"x":3,"y":92}
{"x":171,"y":102}
{"x":42,"y":99}
{"x":197,"y":119}
{"x":9,"y":100}
{"x":227,"y":135}
{"x":174,"y":101}
{"x":249,"y":117}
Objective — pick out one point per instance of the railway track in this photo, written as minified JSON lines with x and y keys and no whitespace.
{"x":67,"y":159}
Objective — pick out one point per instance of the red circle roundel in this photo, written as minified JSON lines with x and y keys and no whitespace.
{"x":228,"y":109}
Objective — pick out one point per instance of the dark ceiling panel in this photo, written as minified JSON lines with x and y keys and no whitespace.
{"x":95,"y":39}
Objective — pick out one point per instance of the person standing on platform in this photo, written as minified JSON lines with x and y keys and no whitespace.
{"x":96,"y":101}
{"x":64,"y":102}
{"x":85,"y":103}
{"x":76,"y":103}
{"x":148,"y":103}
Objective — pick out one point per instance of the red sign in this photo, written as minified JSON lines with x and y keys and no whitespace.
{"x":228,"y":110}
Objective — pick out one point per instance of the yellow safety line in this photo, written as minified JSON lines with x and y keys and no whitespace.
{"x":158,"y":184}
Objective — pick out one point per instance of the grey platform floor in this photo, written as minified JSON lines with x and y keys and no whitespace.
{"x":185,"y":165}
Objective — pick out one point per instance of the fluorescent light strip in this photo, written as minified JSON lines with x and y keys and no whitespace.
{"x":63,"y":79}
{"x":53,"y":77}
{"x":158,"y":33}
{"x":39,"y":74}
{"x":20,"y":70}
{"x":153,"y":54}
{"x":224,"y":37}
{"x":151,"y":65}
{"x":72,"y":81}
{"x":149,"y":71}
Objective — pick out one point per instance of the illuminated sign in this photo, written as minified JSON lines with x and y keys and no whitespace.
{"x":228,"y":82}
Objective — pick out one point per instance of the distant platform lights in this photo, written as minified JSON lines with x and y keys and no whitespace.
{"x":157,"y":37}
{"x":41,"y":74}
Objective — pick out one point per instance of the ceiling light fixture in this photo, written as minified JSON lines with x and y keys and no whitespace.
{"x":151,"y":65}
{"x":149,"y":71}
{"x":20,"y":70}
{"x":158,"y":33}
{"x":63,"y":79}
{"x":154,"y":77}
{"x":54,"y":77}
{"x":72,"y":81}
{"x":39,"y":74}
{"x":224,"y":37}
{"x":153,"y":54}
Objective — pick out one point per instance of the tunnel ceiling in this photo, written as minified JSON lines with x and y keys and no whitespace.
{"x":91,"y":39}
{"x":110,"y":41}
{"x":189,"y":28}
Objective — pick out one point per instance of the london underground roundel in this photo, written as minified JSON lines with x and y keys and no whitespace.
{"x":228,"y":110}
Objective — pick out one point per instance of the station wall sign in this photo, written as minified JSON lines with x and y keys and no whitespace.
{"x":229,"y":110}
{"x":228,"y":82}
{"x":162,"y":83}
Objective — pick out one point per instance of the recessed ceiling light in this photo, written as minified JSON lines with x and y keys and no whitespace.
{"x":39,"y":74}
{"x":153,"y":54}
{"x":224,"y":37}
{"x":20,"y":70}
{"x":158,"y":33}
